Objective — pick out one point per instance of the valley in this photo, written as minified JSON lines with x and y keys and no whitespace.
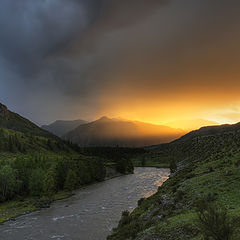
{"x":38,"y":168}
{"x":201,"y":197}
{"x":119,"y":120}
{"x":91,"y":213}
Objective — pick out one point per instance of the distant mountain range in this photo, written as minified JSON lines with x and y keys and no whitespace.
{"x":61,"y":127}
{"x":118,"y":132}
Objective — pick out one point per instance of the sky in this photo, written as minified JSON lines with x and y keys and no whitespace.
{"x":157,"y":61}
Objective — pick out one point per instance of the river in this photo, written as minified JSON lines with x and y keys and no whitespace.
{"x":91,"y":213}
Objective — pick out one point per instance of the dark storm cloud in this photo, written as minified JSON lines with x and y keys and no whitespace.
{"x":35,"y":38}
{"x":58,"y":58}
{"x":153,"y":46}
{"x":31,"y":30}
{"x":89,"y":62}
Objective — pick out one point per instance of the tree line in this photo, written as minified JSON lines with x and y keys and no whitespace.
{"x":16,"y":142}
{"x":26,"y":173}
{"x":120,"y":155}
{"x":40,"y":176}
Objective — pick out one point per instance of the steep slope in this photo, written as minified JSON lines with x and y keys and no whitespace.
{"x":211,"y":130}
{"x":19,"y":136}
{"x":60,"y":128}
{"x":200,"y":144}
{"x":16,"y":122}
{"x":204,"y":182}
{"x":36,"y":167}
{"x":112,"y":132}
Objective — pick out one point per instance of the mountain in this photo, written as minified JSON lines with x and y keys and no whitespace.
{"x":200,"y":199}
{"x":202,"y":143}
{"x":14,"y":121}
{"x":60,"y":127}
{"x":117,"y":132}
{"x":20,"y":136}
{"x":193,"y":124}
{"x":37,"y":167}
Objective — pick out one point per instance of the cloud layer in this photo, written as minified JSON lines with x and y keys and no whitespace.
{"x":85,"y":58}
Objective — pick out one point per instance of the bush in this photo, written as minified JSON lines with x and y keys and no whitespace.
{"x":179,"y":195}
{"x":43,"y":202}
{"x":173,"y":166}
{"x":125,"y":219}
{"x":237,"y":163}
{"x":214,"y":222}
{"x":140,"y":201}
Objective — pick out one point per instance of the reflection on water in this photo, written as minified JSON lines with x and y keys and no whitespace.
{"x":91,"y":214}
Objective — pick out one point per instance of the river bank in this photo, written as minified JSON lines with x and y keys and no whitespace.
{"x":10,"y":210}
{"x":173,"y":212}
{"x":91,"y":213}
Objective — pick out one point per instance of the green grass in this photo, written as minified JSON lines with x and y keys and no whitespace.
{"x":217,"y":181}
{"x":12,"y":209}
{"x":206,"y":165}
{"x":15,"y":208}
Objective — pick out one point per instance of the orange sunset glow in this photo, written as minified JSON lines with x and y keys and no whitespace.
{"x":165,"y":64}
{"x":212,"y":109}
{"x":124,"y":112}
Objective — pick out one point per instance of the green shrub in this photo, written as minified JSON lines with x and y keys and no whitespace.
{"x":179,"y":195}
{"x":140,"y":201}
{"x":173,"y":166}
{"x":214,"y":222}
{"x":125,"y":218}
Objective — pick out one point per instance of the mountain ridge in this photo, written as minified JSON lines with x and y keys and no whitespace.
{"x":111,"y":132}
{"x":16,"y":122}
{"x":61,"y":127}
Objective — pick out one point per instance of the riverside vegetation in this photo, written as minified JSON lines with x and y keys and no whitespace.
{"x":201,"y":199}
{"x":37,"y":167}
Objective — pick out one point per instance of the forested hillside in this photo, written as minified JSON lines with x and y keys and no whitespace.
{"x":201,"y":198}
{"x":11,"y":120}
{"x":36,"y":166}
